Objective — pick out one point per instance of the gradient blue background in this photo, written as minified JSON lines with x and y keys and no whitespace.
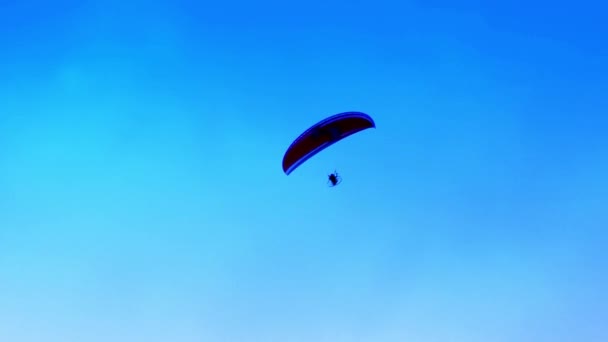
{"x":142,"y":196}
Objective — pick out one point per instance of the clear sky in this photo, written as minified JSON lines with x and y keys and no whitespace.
{"x":142,"y":196}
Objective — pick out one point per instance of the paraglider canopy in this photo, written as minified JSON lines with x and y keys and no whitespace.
{"x":322,"y":135}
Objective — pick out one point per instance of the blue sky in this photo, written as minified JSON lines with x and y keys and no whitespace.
{"x":142,"y":196}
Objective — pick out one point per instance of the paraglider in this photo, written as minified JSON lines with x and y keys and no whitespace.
{"x":322,"y":135}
